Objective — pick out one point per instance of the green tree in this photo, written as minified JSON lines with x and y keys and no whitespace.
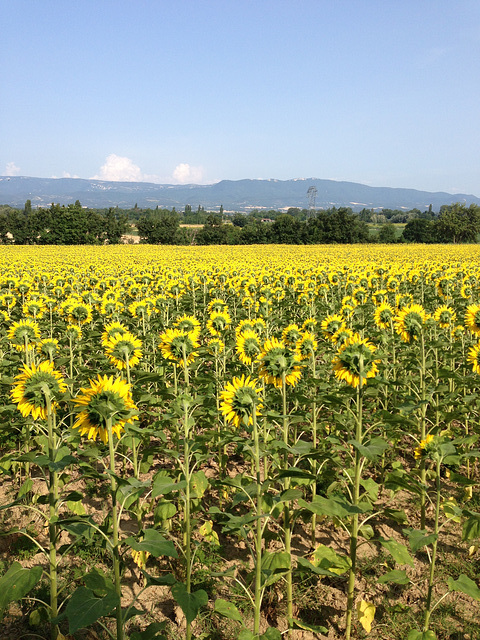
{"x":158,"y":228}
{"x":459,"y":223}
{"x":419,"y":230}
{"x":387,"y":233}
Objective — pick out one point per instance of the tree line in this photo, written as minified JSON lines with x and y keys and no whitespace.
{"x":74,"y":224}
{"x":70,"y":224}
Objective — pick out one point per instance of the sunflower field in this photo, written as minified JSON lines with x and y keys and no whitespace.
{"x":240,"y":442}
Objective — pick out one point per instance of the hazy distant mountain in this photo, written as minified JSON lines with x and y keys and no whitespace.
{"x":235,"y":195}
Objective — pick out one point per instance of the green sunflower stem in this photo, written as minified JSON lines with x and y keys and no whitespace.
{"x":258,"y":532}
{"x":115,"y":536}
{"x":187,"y":535}
{"x":314,"y":462}
{"x":136,"y":471}
{"x":355,"y":500}
{"x":287,"y":518}
{"x":423,"y":434}
{"x":428,"y":604}
{"x":52,"y":513}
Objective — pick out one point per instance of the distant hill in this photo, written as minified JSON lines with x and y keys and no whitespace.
{"x":234,"y":195}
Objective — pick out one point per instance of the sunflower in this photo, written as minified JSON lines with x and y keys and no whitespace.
{"x":73,"y":332}
{"x":240,"y":399}
{"x":380,"y":296}
{"x":248,"y":346}
{"x":306,"y":346}
{"x":331,"y":324}
{"x":291,"y":335}
{"x":23,"y":331}
{"x":445,"y":316}
{"x":217,"y":305}
{"x":215,"y":346}
{"x":423,"y":448}
{"x":79,"y":313}
{"x":383,"y":315}
{"x":218,"y":322}
{"x":410,"y":321}
{"x":472,"y":318}
{"x":189,"y":324}
{"x":244,"y":325}
{"x":457,"y":332}
{"x":278,"y":361}
{"x":122,"y":349}
{"x":466,"y":290}
{"x":341,"y":336}
{"x":48,"y":347}
{"x":111,"y":330}
{"x":178,"y":345}
{"x":141,"y":308}
{"x":31,"y":387}
{"x":354,"y":359}
{"x":310,"y":325}
{"x":105,"y":398}
{"x":473,"y":357}
{"x":34,"y":309}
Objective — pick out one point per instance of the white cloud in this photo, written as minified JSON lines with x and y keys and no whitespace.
{"x":11,"y":169}
{"x":120,"y":169}
{"x":185,"y":174}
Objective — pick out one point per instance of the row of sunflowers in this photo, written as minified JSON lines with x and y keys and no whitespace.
{"x":258,"y":423}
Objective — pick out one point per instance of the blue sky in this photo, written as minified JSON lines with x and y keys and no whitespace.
{"x":383,"y":92}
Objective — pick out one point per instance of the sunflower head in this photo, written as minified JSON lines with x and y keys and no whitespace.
{"x":425,"y":447}
{"x":410,"y":322}
{"x":355,"y":361}
{"x":23,"y":331}
{"x":218,"y":322}
{"x":331,"y":324}
{"x":472,"y":318}
{"x":278,"y":362}
{"x":291,"y":335}
{"x":48,"y":347}
{"x":189,"y":324}
{"x":179,"y":346}
{"x":105,"y":399}
{"x":310,"y":325}
{"x":248,"y":346}
{"x":473,"y":357}
{"x":122,"y":349}
{"x":383,"y":316}
{"x":306,"y":346}
{"x":240,"y":401}
{"x":73,"y":332}
{"x":34,"y":385}
{"x":215,"y":346}
{"x":445,"y":316}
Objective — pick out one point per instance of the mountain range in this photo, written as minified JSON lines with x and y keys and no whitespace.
{"x":234,"y":195}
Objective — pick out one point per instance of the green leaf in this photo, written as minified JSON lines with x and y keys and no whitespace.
{"x":98,"y":582}
{"x":190,"y":603}
{"x":398,"y":551}
{"x":335,"y":507}
{"x":326,"y":558}
{"x":471,"y":526}
{"x":418,"y":538}
{"x":150,"y":633}
{"x":227,"y":610}
{"x":397,"y":577}
{"x":421,"y":635}
{"x":298,"y":624}
{"x":465,"y":585}
{"x":163,"y":485}
{"x":198,"y":484}
{"x":397,"y":480}
{"x":372,"y":449}
{"x":154,"y":543}
{"x":16,"y":583}
{"x":159,"y":581}
{"x":84,"y":608}
{"x":271,"y":634}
